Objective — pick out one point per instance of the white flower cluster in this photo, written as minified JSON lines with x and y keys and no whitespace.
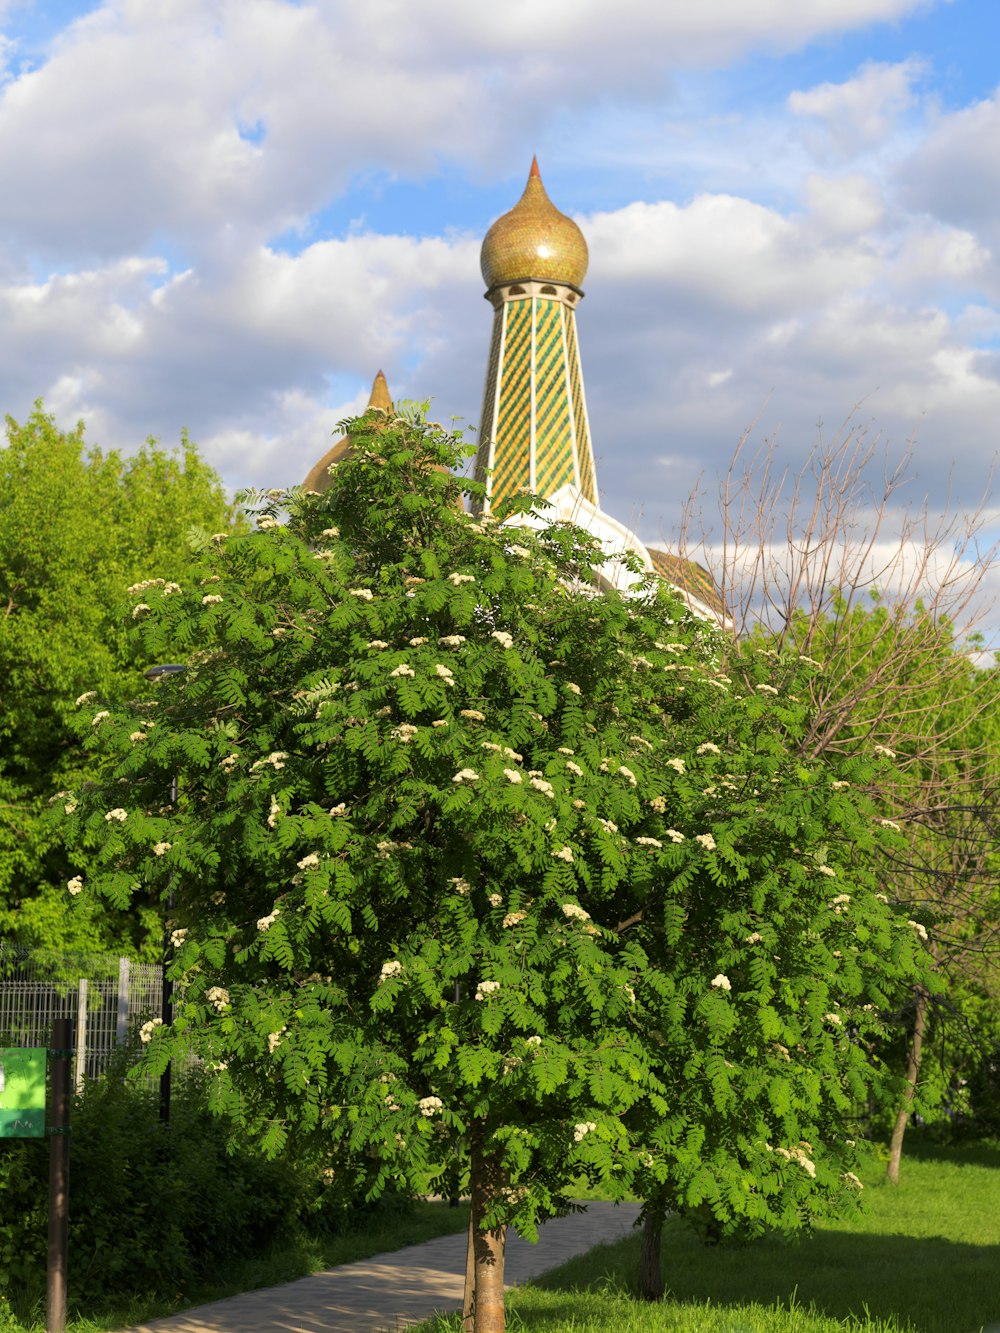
{"x":573,"y":768}
{"x":211,"y":599}
{"x":430,"y":1106}
{"x":466,"y":775}
{"x":309,"y":862}
{"x":800,"y":1156}
{"x":418,"y":642}
{"x":462,"y":886}
{"x":117,"y":815}
{"x":486,"y":988}
{"x":458,"y":579}
{"x":218,"y":997}
{"x":148,"y":1028}
{"x":708,"y":747}
{"x":473,"y":714}
{"x":86,"y":698}
{"x":563,"y":854}
{"x":706,"y":840}
{"x":445,"y":673}
{"x":266,"y":922}
{"x":141,"y":608}
{"x":99,"y":717}
{"x":495,"y":900}
{"x":544,"y":787}
{"x":648,"y":842}
{"x":377,"y":643}
{"x":402,"y":670}
{"x":581,"y":1130}
{"x":574,"y":912}
{"x":722,"y":982}
{"x":365,"y":594}
{"x":828,"y":871}
{"x":673,"y":835}
{"x":919,"y":928}
{"x":504,"y":639}
{"x":676,"y":764}
{"x":274,"y":1040}
{"x":75,"y":885}
{"x":512,"y":775}
{"x":178,"y":937}
{"x":405,"y":732}
{"x":833,"y":1018}
{"x":513,"y":919}
{"x":452,"y":640}
{"x":755,"y":938}
{"x":573,"y":688}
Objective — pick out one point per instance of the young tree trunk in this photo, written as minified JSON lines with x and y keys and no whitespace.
{"x":650,"y":1267}
{"x":488,"y":1246}
{"x":469,"y":1294}
{"x":912,"y":1070}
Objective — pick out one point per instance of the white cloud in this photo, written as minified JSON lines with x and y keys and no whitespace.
{"x":860,"y":112}
{"x":954,"y":172}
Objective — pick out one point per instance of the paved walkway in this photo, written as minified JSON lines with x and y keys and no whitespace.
{"x":392,"y":1291}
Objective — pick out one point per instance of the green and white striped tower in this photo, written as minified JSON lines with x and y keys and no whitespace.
{"x":534,"y":433}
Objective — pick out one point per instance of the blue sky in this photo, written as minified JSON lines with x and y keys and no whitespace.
{"x":226,"y":215}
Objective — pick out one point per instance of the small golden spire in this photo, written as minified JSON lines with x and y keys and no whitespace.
{"x":319,"y":475}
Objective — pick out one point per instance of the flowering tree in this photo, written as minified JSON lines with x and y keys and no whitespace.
{"x":473,"y":862}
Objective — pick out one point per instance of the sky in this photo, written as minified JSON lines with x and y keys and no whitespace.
{"x":227,"y":215}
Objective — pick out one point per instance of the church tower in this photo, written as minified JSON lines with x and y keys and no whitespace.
{"x":534,"y":433}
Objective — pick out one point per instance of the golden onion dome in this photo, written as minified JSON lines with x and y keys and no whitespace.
{"x":319,"y":478}
{"x":534,"y":241}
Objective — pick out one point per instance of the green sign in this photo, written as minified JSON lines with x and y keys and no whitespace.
{"x":22,"y":1092}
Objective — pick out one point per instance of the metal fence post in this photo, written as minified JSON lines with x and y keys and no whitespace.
{"x":81,"y":1035}
{"x":121,"y":1023}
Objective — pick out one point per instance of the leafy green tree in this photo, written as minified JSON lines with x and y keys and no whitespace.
{"x":474,"y":862}
{"x":77,"y":526}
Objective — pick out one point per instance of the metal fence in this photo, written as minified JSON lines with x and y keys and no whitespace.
{"x":103,"y":994}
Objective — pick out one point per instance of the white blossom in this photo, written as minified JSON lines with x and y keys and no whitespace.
{"x":919,"y":928}
{"x":673,"y":835}
{"x":117,"y":815}
{"x":451,"y":640}
{"x":272,"y":818}
{"x":330,"y":532}
{"x":402,"y":670}
{"x":627,"y":774}
{"x":99,"y":717}
{"x":512,"y":775}
{"x":365,"y":594}
{"x":377,"y":643}
{"x":573,"y":688}
{"x":218,"y":997}
{"x":722,"y":982}
{"x":766,"y":689}
{"x":574,"y":768}
{"x":445,"y":673}
{"x":418,"y":642}
{"x":563,"y":854}
{"x":504,"y":639}
{"x":75,"y":885}
{"x":755,"y":938}
{"x":839,"y":786}
{"x":430,"y":1106}
{"x":137,"y":736}
{"x":495,"y":900}
{"x":828,"y":871}
{"x":519,"y":550}
{"x":833,"y":1018}
{"x":228,"y":763}
{"x":677,"y":764}
{"x":473,"y":713}
{"x":513,"y":919}
{"x":394,"y":968}
{"x":458,"y":579}
{"x":659,"y":804}
{"x":466,"y":775}
{"x":884,"y":749}
{"x":148,"y":1028}
{"x":706,"y":840}
{"x":274,"y":1040}
{"x":161,"y":848}
{"x":338,"y":810}
{"x":888,"y":823}
{"x":141,"y":608}
{"x":849,"y":1178}
{"x":309,"y":862}
{"x":462,"y":886}
{"x":708,"y":747}
{"x":405,"y":732}
{"x":533,"y":1041}
{"x":581,"y":1130}
{"x":86,"y":698}
{"x":648,"y":842}
{"x":211,"y":599}
{"x":178,"y":937}
{"x":608,"y":825}
{"x":266,"y":922}
{"x":574,"y":912}
{"x":486,"y":988}
{"x":541,"y":785}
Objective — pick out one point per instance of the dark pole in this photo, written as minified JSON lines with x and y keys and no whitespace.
{"x":156,"y":673}
{"x":55,"y":1304}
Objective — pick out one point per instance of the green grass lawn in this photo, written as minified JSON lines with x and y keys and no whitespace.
{"x":925,"y":1259}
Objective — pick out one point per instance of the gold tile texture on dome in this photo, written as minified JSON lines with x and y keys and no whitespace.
{"x":319,"y":477}
{"x":534,"y":241}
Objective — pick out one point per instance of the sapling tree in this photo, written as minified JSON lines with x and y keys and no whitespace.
{"x":466,"y":854}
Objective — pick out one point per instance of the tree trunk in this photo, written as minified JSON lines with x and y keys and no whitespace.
{"x":488,"y":1246}
{"x":650,"y":1268}
{"x":469,"y":1294}
{"x":912,"y":1071}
